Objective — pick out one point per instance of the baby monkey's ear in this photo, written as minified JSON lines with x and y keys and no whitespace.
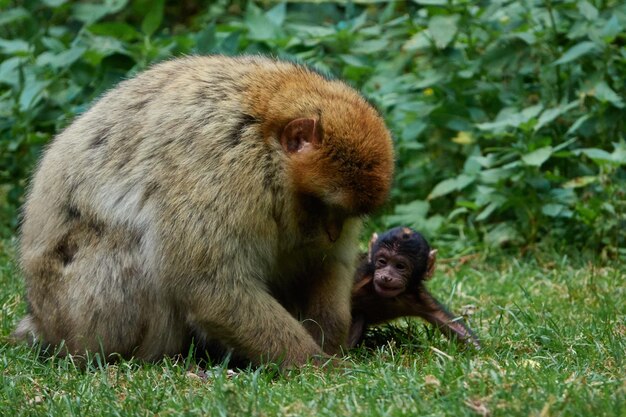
{"x":430,"y":266}
{"x":370,"y":245}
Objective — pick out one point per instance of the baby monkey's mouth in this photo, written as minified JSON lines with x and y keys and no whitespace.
{"x":388,"y":291}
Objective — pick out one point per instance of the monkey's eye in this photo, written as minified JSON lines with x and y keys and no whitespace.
{"x":381,"y":262}
{"x":400,"y":267}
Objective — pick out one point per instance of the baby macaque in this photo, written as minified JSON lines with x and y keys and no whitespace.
{"x":389,"y":284}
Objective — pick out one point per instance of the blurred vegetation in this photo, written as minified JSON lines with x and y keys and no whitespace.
{"x":508,"y":116}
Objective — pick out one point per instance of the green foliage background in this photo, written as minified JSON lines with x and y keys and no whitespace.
{"x":508,"y":116}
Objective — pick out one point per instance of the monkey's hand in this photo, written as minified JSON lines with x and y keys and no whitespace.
{"x":255,"y":325}
{"x":431,"y":310}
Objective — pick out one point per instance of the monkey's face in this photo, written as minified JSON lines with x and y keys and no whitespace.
{"x":392,"y":273}
{"x":346,"y":164}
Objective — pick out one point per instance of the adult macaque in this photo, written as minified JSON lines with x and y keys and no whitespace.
{"x":389,"y":284}
{"x":213,"y":197}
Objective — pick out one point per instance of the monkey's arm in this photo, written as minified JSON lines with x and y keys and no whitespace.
{"x":357,"y":328}
{"x":254,"y":323}
{"x":427,"y":307}
{"x":327,"y":316}
{"x":416,"y":302}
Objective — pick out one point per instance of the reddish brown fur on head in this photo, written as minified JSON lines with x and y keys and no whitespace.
{"x":338,"y":147}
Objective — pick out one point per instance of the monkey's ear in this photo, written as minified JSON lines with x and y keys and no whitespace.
{"x":370,"y":245}
{"x":300,"y":134}
{"x":430,"y":266}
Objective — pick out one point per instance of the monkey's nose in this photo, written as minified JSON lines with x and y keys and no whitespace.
{"x":386,"y":278}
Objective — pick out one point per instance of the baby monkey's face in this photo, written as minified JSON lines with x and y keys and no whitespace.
{"x":392,"y":272}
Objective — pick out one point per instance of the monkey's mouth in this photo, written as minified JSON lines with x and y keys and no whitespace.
{"x":387,"y":291}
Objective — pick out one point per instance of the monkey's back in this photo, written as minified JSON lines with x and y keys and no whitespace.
{"x":179,"y":137}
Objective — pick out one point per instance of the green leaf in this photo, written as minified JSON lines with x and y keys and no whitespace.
{"x":206,"y":39}
{"x":563,"y":145}
{"x":509,"y":117}
{"x":62,"y":60}
{"x":565,"y":196}
{"x":260,"y":27}
{"x":611,"y":29}
{"x":412,"y":131}
{"x":14,"y":46}
{"x":410,"y":146}
{"x":443,"y":188}
{"x":619,"y":154}
{"x":53,"y":44}
{"x":550,"y":114}
{"x":502,"y":234}
{"x":577,"y":51}
{"x":118,"y":30}
{"x":277,"y":14}
{"x":354,"y":61}
{"x":443,"y":29}
{"x":419,"y":41}
{"x":464,"y":180}
{"x":13,"y":15}
{"x":528,"y":37}
{"x":609,"y":208}
{"x":370,"y":46}
{"x":153,"y":18}
{"x":495,"y":175}
{"x":89,"y":13}
{"x":358,"y":22}
{"x":537,"y":157}
{"x":556,"y":210}
{"x":429,"y":78}
{"x":54,"y":3}
{"x":449,"y":185}
{"x":414,"y":214}
{"x":418,"y":108}
{"x":230,"y":44}
{"x":484,"y":215}
{"x":9,"y":73}
{"x":588,"y":10}
{"x":417,"y":208}
{"x":106,"y":46}
{"x":605,"y":94}
{"x":595,"y":154}
{"x":409,"y":213}
{"x":431,"y":2}
{"x":312,"y":31}
{"x":31,"y":94}
{"x":580,"y":182}
{"x":577,"y":124}
{"x":472,"y":165}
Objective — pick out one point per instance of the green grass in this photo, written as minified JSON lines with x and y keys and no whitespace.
{"x":554,"y":334}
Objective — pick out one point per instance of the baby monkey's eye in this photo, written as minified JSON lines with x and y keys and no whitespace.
{"x":400,"y":266}
{"x":381,"y":262}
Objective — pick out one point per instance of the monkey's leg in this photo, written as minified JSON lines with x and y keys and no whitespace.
{"x":98,"y":297}
{"x":327,"y":315}
{"x":254,"y":324}
{"x":435,"y":313}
